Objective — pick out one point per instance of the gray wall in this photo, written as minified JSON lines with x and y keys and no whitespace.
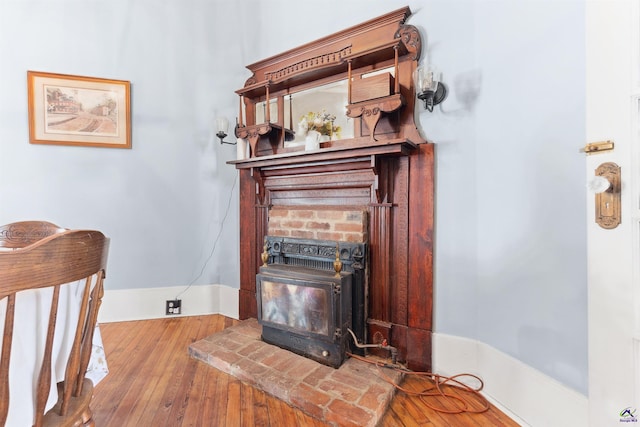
{"x":162,"y":202}
{"x":530,"y":188}
{"x":510,"y":266}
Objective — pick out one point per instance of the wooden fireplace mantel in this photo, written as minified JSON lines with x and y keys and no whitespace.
{"x":386,"y":171}
{"x":395,"y":147}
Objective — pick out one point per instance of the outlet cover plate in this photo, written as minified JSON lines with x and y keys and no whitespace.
{"x":173,"y":306}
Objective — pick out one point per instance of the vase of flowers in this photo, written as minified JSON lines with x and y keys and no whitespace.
{"x":317,"y":127}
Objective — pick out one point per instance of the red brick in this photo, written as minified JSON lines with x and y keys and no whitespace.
{"x":276,"y":384}
{"x":306,"y":394}
{"x":309,"y":399}
{"x":278,"y":213}
{"x":329,"y":236}
{"x":263,"y":352}
{"x":302,"y":214}
{"x":354,"y":238}
{"x":347,"y":415}
{"x":292,"y":224}
{"x":323,"y":214}
{"x":350,"y":377}
{"x":223,"y":359}
{"x":318,"y":225}
{"x":376,"y":399}
{"x":303,"y":234}
{"x":250,"y":348}
{"x":319,"y":373}
{"x":250,"y":329}
{"x":280,"y":360}
{"x":340,"y":390}
{"x":247,"y":370}
{"x":300,"y":367}
{"x":349,"y":226}
{"x":200,"y":350}
{"x":229,"y":343}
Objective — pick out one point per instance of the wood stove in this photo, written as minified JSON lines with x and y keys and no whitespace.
{"x":304,"y":305}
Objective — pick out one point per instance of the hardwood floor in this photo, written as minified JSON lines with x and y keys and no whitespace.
{"x":153,"y":382}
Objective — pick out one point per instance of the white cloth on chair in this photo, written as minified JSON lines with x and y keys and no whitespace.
{"x":30,"y":331}
{"x":97,"y":369}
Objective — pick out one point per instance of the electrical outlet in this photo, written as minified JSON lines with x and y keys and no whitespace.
{"x":174,"y":306}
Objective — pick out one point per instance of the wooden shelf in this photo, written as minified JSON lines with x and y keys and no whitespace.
{"x":372,"y":109}
{"x":393,"y":147}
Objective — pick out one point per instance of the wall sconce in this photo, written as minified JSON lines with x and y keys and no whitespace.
{"x":223,"y":127}
{"x":429,"y":86}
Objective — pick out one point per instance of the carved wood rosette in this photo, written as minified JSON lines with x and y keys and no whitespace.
{"x":410,"y":37}
{"x":371,"y":110}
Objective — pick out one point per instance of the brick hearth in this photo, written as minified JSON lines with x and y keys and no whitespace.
{"x":353,"y":395}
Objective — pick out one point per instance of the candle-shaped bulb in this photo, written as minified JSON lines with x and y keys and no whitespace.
{"x":222,"y":124}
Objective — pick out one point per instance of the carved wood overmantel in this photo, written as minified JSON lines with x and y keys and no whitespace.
{"x":385,"y":168}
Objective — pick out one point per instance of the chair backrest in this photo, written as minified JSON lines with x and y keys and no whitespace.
{"x":60,"y":258}
{"x":20,"y":234}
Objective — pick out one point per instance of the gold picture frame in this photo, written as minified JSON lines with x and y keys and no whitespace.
{"x":77,"y":110}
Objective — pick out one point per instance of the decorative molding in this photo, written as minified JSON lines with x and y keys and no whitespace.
{"x":253,"y":133}
{"x":371,"y":110}
{"x":324,"y":60}
{"x":287,"y":250}
{"x":410,"y":37}
{"x":251,"y":80}
{"x":19,"y":234}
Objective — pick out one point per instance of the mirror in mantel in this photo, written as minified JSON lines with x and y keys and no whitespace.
{"x":261,"y":111}
{"x":329,"y":101}
{"x":326,"y":106}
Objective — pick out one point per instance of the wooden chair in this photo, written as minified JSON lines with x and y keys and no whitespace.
{"x":20,"y":234}
{"x":50,"y":263}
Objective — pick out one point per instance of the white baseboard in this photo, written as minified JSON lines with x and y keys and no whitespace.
{"x":149,"y":303}
{"x":528,"y":396}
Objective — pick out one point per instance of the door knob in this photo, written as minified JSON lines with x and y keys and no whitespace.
{"x":608,"y":197}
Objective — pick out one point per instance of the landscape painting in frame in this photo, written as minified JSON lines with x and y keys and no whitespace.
{"x":76,"y":110}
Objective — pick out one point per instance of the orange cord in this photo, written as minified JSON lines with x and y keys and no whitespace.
{"x":463,"y":405}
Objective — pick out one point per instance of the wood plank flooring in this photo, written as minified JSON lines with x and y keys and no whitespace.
{"x":153,"y":382}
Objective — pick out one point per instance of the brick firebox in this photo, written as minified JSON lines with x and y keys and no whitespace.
{"x":320,"y":223}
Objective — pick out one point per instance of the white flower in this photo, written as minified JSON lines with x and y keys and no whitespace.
{"x":303,"y":127}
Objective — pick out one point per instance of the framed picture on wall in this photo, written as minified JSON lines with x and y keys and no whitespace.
{"x":77,"y":110}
